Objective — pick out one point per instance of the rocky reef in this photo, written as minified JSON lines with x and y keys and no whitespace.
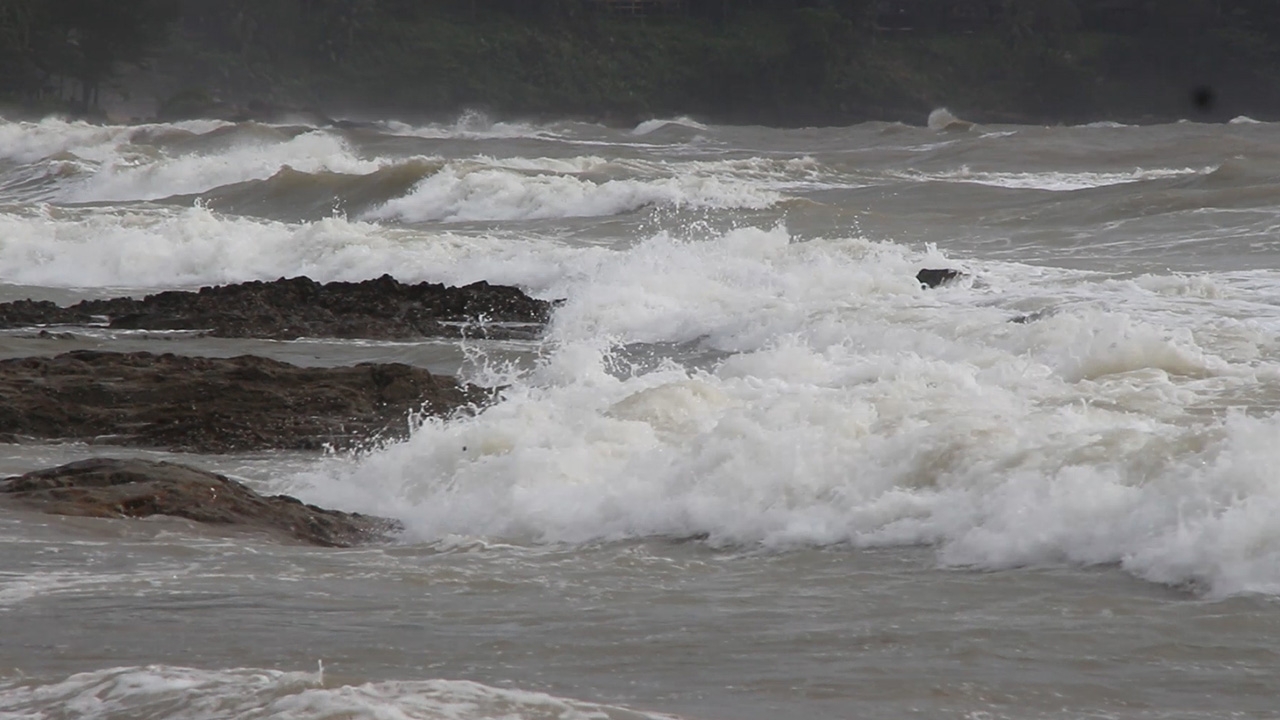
{"x":110,"y":488}
{"x":287,"y":309}
{"x":213,"y":405}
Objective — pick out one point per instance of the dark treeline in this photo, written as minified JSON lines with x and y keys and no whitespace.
{"x":45,"y":44}
{"x":769,"y":61}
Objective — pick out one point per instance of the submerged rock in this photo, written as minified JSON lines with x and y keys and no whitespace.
{"x":287,"y":309}
{"x":216,"y":404}
{"x":108,"y":488}
{"x":934,"y":278}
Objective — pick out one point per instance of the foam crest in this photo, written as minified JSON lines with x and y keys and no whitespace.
{"x":842,"y":449}
{"x":1200,"y":521}
{"x":165,"y":248}
{"x":1057,"y":181}
{"x":179,"y":693}
{"x":463,"y":193}
{"x":941,"y":120}
{"x":131,"y":177}
{"x":735,"y":291}
{"x":649,"y":126}
{"x":854,"y":408}
{"x":28,"y":142}
{"x":470,"y":125}
{"x":1088,"y":344}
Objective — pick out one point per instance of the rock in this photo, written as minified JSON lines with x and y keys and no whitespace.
{"x":300,"y":307}
{"x":103,"y":487}
{"x":30,"y":313}
{"x":934,"y":278}
{"x":217,"y":404}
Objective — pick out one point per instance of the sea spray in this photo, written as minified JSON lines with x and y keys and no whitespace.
{"x":853,"y":409}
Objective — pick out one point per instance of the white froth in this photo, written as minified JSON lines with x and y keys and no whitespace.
{"x":166,"y":248}
{"x":1123,"y":420}
{"x":649,"y":126}
{"x":109,"y":167}
{"x":460,"y":192}
{"x":942,"y":120}
{"x":179,"y":693}
{"x":470,"y":125}
{"x":133,"y":177}
{"x":31,"y":141}
{"x":856,"y":409}
{"x":1105,"y":125}
{"x":1055,"y":181}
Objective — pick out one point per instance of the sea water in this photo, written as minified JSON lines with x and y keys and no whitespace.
{"x":751,"y":470}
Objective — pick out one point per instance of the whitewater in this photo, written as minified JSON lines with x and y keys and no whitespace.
{"x":752,"y":469}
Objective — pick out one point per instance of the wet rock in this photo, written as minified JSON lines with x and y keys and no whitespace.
{"x":109,"y":488}
{"x":31,"y":313}
{"x":934,"y":278}
{"x":288,"y":309}
{"x":217,"y":404}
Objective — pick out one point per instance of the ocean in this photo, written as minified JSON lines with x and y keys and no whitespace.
{"x":752,"y":469}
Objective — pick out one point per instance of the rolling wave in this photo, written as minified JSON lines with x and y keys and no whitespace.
{"x":179,"y":693}
{"x":292,"y":194}
{"x":1056,"y":181}
{"x":853,"y":408}
{"x":464,"y":192}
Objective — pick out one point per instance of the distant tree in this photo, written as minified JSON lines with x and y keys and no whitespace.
{"x":21,"y":23}
{"x":87,"y":40}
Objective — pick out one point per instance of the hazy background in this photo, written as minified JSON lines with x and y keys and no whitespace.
{"x":773,"y":62}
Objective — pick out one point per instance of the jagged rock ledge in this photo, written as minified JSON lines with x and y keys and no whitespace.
{"x":287,"y":309}
{"x":109,"y":488}
{"x":213,"y":405}
{"x":932,"y":278}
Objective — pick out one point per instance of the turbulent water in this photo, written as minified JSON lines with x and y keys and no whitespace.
{"x":753,"y":470}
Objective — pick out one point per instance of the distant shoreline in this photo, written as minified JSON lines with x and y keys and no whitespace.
{"x":799,"y":67}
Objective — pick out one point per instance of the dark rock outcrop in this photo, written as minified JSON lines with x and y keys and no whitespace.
{"x":287,"y":309}
{"x":216,"y":404}
{"x":108,"y":488}
{"x":934,"y":278}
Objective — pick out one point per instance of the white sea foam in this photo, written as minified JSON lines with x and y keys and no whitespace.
{"x":942,"y":120}
{"x":131,"y":177}
{"x":467,"y":191}
{"x":169,"y":247}
{"x":470,"y":125}
{"x":1132,"y":423}
{"x":649,"y":126}
{"x":855,"y":408}
{"x":31,"y":141}
{"x":109,"y":167}
{"x":178,"y":693}
{"x":1054,"y":180}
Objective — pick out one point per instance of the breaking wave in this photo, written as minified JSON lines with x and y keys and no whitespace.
{"x":649,"y":126}
{"x":167,"y":692}
{"x":467,"y":191}
{"x":849,"y":407}
{"x":1054,"y":181}
{"x":942,"y":120}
